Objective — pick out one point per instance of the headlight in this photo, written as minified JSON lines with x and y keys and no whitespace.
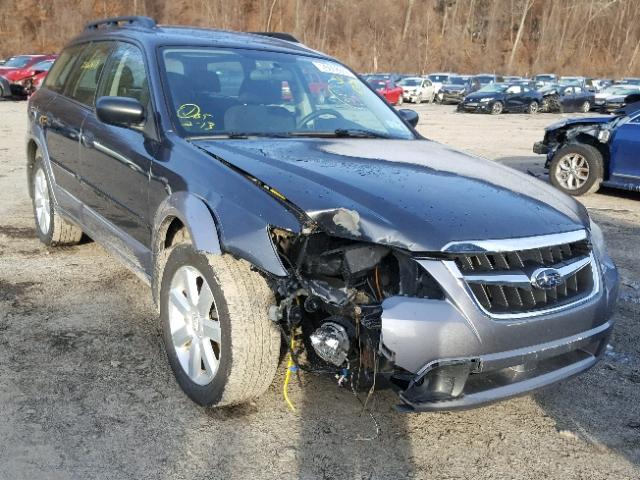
{"x":604,"y":135}
{"x":597,"y":239}
{"x":487,"y":99}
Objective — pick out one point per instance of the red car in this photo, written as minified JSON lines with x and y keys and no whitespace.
{"x":391,"y":92}
{"x":19,"y":71}
{"x":40,"y":70}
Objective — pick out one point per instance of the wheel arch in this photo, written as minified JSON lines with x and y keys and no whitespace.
{"x":184,"y":210}
{"x":32,"y":147}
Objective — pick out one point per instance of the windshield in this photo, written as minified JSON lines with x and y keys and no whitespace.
{"x":493,"y":88}
{"x":569,"y":80}
{"x":410,"y":82}
{"x":457,"y":80}
{"x":378,"y":84}
{"x":42,"y":66}
{"x":232,"y":92}
{"x":438,"y":78}
{"x":548,"y":87}
{"x":485,"y":79}
{"x":544,"y":78}
{"x":619,"y":90}
{"x":17,"y":62}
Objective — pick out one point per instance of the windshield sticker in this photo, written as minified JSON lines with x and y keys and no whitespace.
{"x":333,"y":68}
{"x":191,"y":116}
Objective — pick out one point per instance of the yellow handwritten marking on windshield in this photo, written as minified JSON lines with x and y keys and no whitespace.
{"x":188,"y":112}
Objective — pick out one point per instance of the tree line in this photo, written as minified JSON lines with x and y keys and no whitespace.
{"x":572,"y":37}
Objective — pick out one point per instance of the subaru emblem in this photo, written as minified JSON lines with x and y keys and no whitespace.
{"x":546,"y":278}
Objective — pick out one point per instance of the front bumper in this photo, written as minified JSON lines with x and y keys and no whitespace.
{"x":452,"y":97}
{"x":466,"y":383}
{"x":483,"y":107}
{"x":410,"y":96}
{"x":453,"y":356}
{"x":541,"y":148}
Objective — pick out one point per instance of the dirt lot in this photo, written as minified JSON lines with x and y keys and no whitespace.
{"x":85,"y":390}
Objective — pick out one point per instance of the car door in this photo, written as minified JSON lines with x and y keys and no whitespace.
{"x":116,"y":161}
{"x":71,"y":79}
{"x":568,"y":98}
{"x":514,"y":98}
{"x":428,"y":90}
{"x":625,"y":152}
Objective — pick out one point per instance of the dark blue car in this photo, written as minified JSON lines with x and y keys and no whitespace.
{"x":585,"y":153}
{"x":496,"y":98}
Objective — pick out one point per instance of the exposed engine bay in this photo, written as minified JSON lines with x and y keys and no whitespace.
{"x":330,"y":306}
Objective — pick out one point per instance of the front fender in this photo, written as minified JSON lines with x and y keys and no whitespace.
{"x":194,"y":215}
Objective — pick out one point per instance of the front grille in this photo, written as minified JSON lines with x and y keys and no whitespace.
{"x":500,"y":281}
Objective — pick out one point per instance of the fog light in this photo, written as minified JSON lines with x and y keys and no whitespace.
{"x":331,"y":342}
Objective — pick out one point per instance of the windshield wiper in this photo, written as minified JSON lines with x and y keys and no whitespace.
{"x":240,"y":135}
{"x":358,"y":133}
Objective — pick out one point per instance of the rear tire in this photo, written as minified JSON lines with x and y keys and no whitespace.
{"x":585,"y":107}
{"x":240,"y":363}
{"x":52,"y":229}
{"x":577,"y":169}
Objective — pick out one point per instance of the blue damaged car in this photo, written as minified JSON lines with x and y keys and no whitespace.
{"x":269,"y":219}
{"x":584,"y":154}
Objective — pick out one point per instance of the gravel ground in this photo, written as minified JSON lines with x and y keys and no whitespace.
{"x":85,"y":390}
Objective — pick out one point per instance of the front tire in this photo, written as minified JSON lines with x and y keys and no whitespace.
{"x":52,"y":229}
{"x":220,"y":343}
{"x":577,"y":169}
{"x":400,"y":101}
{"x":497,"y":108}
{"x":533,"y":108}
{"x":585,"y":107}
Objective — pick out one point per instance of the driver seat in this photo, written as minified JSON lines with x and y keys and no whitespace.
{"x":261,"y":109}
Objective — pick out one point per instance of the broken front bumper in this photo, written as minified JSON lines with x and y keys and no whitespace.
{"x":540,"y":148}
{"x":458,"y":357}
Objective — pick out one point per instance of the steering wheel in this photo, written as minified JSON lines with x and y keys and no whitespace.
{"x":319,"y":113}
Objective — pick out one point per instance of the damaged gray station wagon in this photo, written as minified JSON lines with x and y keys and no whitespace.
{"x":277,"y":205}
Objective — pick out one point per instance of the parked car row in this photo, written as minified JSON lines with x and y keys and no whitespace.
{"x":22,"y":75}
{"x":556,"y":93}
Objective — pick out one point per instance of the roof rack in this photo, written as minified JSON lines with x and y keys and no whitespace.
{"x":279,"y":35}
{"x":115,"y":22}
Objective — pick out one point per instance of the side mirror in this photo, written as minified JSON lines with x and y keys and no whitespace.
{"x":410,"y":116}
{"x":120,"y":111}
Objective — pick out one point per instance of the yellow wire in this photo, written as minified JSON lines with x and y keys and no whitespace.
{"x":290,"y":369}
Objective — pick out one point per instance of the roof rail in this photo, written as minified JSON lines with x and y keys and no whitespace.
{"x":116,"y":21}
{"x":279,"y":35}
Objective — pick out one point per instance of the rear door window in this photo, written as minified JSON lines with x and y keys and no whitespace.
{"x":84,"y":78}
{"x":57,"y":77}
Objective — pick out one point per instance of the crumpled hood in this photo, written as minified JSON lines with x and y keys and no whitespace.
{"x":417,"y":195}
{"x":579,"y":121}
{"x":10,"y":73}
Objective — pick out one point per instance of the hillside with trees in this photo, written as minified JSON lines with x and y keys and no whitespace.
{"x":589,"y":37}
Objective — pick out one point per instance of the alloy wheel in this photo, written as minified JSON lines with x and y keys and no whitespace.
{"x":42,"y":201}
{"x":586,"y":106}
{"x":195,"y":328}
{"x":573,"y":171}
